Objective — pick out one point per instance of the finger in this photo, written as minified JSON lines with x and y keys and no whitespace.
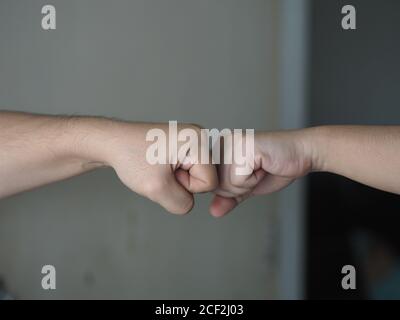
{"x":198,"y":178}
{"x":227,"y":189}
{"x":225,"y":193}
{"x":220,"y":206}
{"x":246,"y":181}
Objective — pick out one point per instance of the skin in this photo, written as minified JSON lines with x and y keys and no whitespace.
{"x":367,"y":154}
{"x":36,"y":150}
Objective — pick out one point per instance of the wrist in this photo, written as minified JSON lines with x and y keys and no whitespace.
{"x":87,"y":139}
{"x":315,"y":144}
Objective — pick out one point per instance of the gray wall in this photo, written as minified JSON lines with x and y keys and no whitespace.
{"x":355,"y":74}
{"x":211,"y":62}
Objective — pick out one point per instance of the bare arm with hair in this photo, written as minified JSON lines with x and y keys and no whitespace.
{"x":36,"y":150}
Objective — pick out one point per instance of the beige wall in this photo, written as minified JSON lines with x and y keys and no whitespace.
{"x":205,"y":61}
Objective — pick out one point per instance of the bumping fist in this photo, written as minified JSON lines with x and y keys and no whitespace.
{"x":279,"y":158}
{"x":168,"y":167}
{"x":172,"y":183}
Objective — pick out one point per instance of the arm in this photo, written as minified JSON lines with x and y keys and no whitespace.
{"x":367,"y":154}
{"x":36,"y":150}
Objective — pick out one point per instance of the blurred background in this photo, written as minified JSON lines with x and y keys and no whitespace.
{"x":354,"y":79}
{"x":262,"y":64}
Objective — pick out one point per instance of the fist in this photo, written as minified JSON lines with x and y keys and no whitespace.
{"x":279,"y":158}
{"x":171,"y":184}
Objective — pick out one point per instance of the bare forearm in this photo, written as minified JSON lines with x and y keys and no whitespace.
{"x":36,"y":150}
{"x":367,"y":154}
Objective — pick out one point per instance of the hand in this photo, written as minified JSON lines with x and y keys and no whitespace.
{"x":36,"y":150}
{"x":279,"y":158}
{"x":171,"y":185}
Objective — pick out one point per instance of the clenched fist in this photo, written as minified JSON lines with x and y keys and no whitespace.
{"x":172,"y":184}
{"x":367,"y":154}
{"x":36,"y":150}
{"x":279,"y":158}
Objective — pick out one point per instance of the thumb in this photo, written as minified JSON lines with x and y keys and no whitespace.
{"x":220,"y":206}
